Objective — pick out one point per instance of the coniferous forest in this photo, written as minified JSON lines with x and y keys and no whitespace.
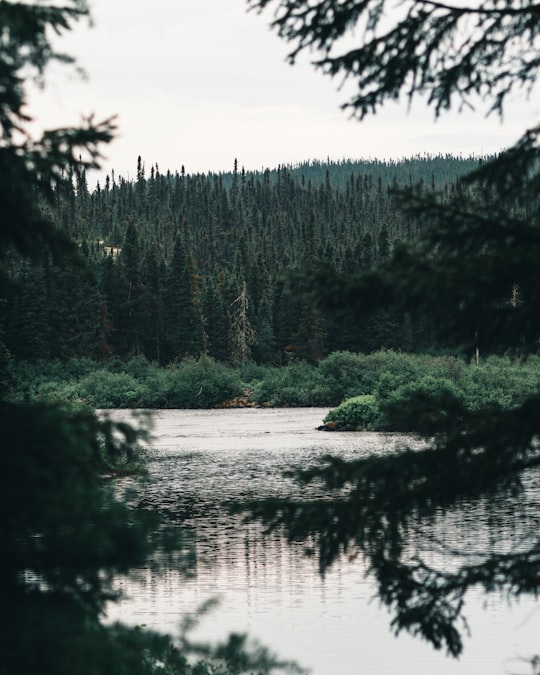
{"x":221,"y":276}
{"x":174,"y":265}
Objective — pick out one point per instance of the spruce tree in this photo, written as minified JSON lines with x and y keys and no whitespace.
{"x":152,"y":306}
{"x":73,"y":313}
{"x":215,"y":321}
{"x":264,"y":348}
{"x":111,"y":306}
{"x":184,"y":333}
{"x":28,"y":329}
{"x":130,"y":314}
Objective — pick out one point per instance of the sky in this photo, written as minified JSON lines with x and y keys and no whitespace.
{"x":200,"y":83}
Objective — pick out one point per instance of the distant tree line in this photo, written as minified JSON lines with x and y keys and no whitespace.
{"x":179,"y":265}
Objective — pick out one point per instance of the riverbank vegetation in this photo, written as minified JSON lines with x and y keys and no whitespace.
{"x":385,"y":390}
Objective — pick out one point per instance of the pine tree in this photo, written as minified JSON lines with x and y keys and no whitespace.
{"x":27,"y":324}
{"x":110,"y":306}
{"x":73,"y":313}
{"x":129,"y":318}
{"x":264,"y":349}
{"x":286,"y":308}
{"x":184,"y":333}
{"x":216,"y":321}
{"x":152,"y":307}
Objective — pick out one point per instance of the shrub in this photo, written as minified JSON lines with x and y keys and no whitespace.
{"x":104,"y":389}
{"x":298,"y":384}
{"x":251,"y":372}
{"x":426,"y":405}
{"x":192,"y":383}
{"x":347,"y":375}
{"x":403,"y":368}
{"x":344,"y":375}
{"x":115,"y":364}
{"x":499,"y":384}
{"x":79,"y":366}
{"x":55,"y":391}
{"x":446,"y":367}
{"x":357,"y":413}
{"x":139,"y":368}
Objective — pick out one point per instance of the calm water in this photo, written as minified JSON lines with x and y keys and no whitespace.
{"x":332,"y":626}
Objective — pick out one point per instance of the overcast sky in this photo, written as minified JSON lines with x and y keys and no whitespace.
{"x":201,"y":82}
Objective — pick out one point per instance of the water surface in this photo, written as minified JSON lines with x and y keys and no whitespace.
{"x":201,"y":460}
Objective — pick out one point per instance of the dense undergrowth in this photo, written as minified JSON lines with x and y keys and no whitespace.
{"x":384,"y":390}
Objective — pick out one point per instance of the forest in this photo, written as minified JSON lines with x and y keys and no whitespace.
{"x":220,"y":276}
{"x":173,"y":265}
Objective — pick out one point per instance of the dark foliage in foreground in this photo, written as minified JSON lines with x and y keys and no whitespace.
{"x":66,"y":532}
{"x":471,"y":275}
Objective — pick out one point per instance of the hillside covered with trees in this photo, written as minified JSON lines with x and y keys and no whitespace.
{"x":177,"y":265}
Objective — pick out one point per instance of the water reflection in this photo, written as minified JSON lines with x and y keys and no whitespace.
{"x":201,"y":460}
{"x":507,"y":524}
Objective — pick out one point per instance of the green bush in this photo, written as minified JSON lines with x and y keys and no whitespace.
{"x":445,"y":367}
{"x":77,"y":367}
{"x":344,"y":375}
{"x":251,"y":372}
{"x":357,"y":413}
{"x":201,"y":383}
{"x":139,"y":368}
{"x":298,"y":384}
{"x":55,"y":391}
{"x":499,"y":384}
{"x":104,"y":389}
{"x":425,"y":405}
{"x":36,"y":380}
{"x":347,"y":375}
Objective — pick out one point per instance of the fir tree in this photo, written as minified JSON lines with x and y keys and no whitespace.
{"x":183,"y":321}
{"x":73,"y":313}
{"x":264,"y":348}
{"x":216,"y":321}
{"x":152,"y":307}
{"x":130,"y":315}
{"x":28,"y":320}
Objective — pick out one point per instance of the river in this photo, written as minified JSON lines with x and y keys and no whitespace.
{"x":201,"y":459}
